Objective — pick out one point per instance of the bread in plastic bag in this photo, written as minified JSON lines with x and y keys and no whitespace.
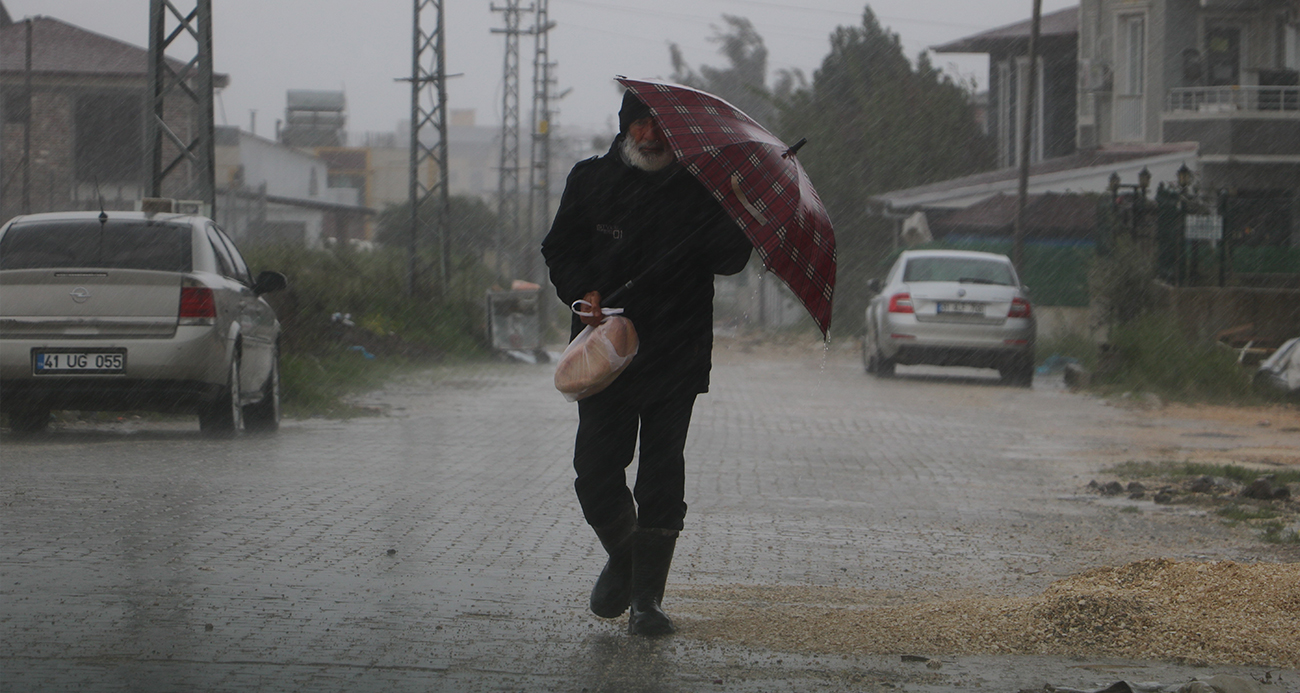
{"x":595,"y":358}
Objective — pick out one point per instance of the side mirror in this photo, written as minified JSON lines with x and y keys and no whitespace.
{"x":269,"y":281}
{"x":874,"y":286}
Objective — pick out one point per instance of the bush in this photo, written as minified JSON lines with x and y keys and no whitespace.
{"x":323,"y":359}
{"x":371,"y":288}
{"x":1154,"y":355}
{"x":1121,"y":282}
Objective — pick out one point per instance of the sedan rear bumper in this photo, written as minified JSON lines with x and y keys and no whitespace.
{"x":108,"y":394}
{"x":176,"y":374}
{"x":909,"y":341}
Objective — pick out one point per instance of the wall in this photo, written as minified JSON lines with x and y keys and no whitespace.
{"x":1205,"y":311}
{"x":287,"y":172}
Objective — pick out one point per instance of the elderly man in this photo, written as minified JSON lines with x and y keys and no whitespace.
{"x":634,"y":211}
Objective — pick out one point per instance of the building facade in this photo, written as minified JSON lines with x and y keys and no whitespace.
{"x":77,"y":138}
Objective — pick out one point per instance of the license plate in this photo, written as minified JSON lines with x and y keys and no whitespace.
{"x":960,"y":308}
{"x":88,"y":361}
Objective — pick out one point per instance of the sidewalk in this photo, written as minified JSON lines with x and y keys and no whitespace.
{"x":440,"y":547}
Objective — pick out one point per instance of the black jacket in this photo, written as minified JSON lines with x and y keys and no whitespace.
{"x":614,"y":222}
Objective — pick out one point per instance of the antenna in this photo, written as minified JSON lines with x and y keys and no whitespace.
{"x":103,"y":216}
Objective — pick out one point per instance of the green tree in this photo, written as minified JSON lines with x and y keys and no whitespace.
{"x":471,"y":225}
{"x":875,"y":123}
{"x":744,"y":81}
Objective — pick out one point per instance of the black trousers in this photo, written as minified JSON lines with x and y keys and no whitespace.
{"x":608,"y":425}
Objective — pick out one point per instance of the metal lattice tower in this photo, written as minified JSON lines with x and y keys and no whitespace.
{"x":430,"y":202}
{"x":539,"y":183}
{"x":170,"y":92}
{"x":508,"y":172}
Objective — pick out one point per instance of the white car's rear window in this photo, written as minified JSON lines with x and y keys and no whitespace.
{"x":132,"y":244}
{"x":957,"y":269}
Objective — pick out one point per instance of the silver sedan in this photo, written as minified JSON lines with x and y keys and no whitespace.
{"x":127,"y":310}
{"x":951,"y":308}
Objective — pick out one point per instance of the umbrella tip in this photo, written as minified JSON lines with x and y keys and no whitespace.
{"x":795,"y":149}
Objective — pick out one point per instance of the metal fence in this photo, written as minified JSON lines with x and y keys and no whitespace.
{"x":1233,"y":98}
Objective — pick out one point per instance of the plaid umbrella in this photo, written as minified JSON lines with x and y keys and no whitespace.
{"x":759,"y":182}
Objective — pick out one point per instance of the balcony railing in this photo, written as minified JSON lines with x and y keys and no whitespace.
{"x":1231,"y":99}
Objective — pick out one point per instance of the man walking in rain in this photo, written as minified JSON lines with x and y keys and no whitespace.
{"x":635,"y":210}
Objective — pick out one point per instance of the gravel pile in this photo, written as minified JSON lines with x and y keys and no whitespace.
{"x":1159,"y":609}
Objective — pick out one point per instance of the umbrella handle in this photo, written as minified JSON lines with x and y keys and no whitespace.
{"x":744,"y":201}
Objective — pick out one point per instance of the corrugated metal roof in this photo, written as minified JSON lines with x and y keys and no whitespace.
{"x":1062,"y":23}
{"x":1085,"y":171}
{"x":1046,"y":214}
{"x":59,"y":48}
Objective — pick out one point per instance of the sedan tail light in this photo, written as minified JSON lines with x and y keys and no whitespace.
{"x":1020,"y":308}
{"x":198,"y":307}
{"x":900,"y":303}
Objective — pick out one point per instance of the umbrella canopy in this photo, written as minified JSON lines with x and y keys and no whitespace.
{"x":758,"y":181}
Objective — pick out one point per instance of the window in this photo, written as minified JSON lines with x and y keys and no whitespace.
{"x":241,"y":268}
{"x":1133,"y":40}
{"x":109,"y":143}
{"x":1130,"y":78}
{"x":949,"y":269}
{"x":1290,"y":39}
{"x":1006,"y":108}
{"x":15,"y":105}
{"x":224,"y":263}
{"x":1223,"y":55}
{"x":88,"y":243}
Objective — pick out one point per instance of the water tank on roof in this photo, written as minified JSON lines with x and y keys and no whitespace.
{"x":313,"y":100}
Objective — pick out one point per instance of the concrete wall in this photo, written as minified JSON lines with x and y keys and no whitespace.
{"x":1205,"y":311}
{"x":287,"y":172}
{"x":1058,"y":322}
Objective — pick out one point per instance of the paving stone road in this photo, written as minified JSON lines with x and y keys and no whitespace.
{"x":439,"y":547}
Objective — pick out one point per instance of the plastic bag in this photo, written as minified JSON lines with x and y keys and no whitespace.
{"x":595,"y":358}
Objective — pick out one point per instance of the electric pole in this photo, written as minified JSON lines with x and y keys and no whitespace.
{"x":1026,"y":142}
{"x":508,"y":172}
{"x":178,"y":92}
{"x":539,"y":180}
{"x":428,"y":117}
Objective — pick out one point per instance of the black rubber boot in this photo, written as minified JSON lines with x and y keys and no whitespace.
{"x":613,"y":590}
{"x":651,"y":558}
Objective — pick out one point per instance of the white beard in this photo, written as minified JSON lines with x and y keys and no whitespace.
{"x":642,"y":160}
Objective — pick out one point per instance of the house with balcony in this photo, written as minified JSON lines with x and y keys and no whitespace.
{"x":1223,"y":74}
{"x":1205,"y":87}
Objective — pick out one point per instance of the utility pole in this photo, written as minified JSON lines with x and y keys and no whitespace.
{"x":428,"y":116}
{"x":539,"y":180}
{"x":27,"y":123}
{"x":1026,"y":129}
{"x":191,"y":87}
{"x":508,"y":172}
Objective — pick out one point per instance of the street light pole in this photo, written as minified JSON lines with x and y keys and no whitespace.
{"x":1138,"y":199}
{"x":1026,"y":129}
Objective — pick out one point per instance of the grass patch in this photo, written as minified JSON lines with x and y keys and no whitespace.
{"x":1182,"y":470}
{"x":317,"y":385}
{"x":1270,"y":518}
{"x":1238,"y":513}
{"x":322,"y":360}
{"x":1152,"y":354}
{"x":1276,"y":533}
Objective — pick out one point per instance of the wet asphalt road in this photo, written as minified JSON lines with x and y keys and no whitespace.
{"x":439,"y":547}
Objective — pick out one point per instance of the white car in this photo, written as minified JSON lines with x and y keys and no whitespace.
{"x":133,"y":311}
{"x":951,"y":308}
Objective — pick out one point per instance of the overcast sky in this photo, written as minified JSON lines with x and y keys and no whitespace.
{"x":270,"y":46}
